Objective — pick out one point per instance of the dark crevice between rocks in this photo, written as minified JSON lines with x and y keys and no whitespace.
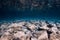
{"x":29,"y":29}
{"x":0,"y":36}
{"x":57,"y":33}
{"x":40,"y":29}
{"x":49,"y":26}
{"x":30,"y":38}
{"x":49,"y":32}
{"x":0,"y":32}
{"x":16,"y":39}
{"x":58,"y":28}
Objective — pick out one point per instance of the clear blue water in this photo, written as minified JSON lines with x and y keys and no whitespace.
{"x":45,"y":14}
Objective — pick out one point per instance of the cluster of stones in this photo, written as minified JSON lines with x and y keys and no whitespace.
{"x":30,"y":30}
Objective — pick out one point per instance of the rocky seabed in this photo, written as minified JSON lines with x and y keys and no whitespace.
{"x":30,"y":30}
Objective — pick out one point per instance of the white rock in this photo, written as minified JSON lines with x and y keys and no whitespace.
{"x":19,"y":34}
{"x":31,"y":26}
{"x":54,"y":29}
{"x":44,"y":35}
{"x":20,"y":24}
{"x":34,"y":39}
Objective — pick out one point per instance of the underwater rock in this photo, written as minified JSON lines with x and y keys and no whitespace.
{"x":26,"y":30}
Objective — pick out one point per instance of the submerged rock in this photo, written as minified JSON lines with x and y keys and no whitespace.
{"x":26,"y":30}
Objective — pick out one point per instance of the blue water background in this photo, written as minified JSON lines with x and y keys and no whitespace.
{"x":15,"y":14}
